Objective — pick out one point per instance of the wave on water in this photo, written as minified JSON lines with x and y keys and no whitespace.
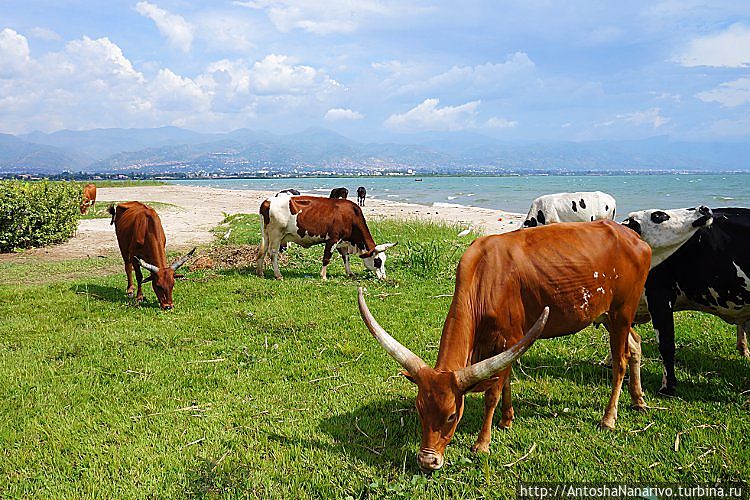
{"x":448,"y":205}
{"x":724,"y":198}
{"x":470,"y":194}
{"x":452,"y":197}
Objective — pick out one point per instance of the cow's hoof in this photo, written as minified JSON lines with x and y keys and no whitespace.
{"x":130,"y":295}
{"x":259,"y":273}
{"x":667,"y":392}
{"x":745,"y":353}
{"x":505,"y":424}
{"x":639,"y":407}
{"x":480,"y":448}
{"x":607,"y":424}
{"x":279,"y":278}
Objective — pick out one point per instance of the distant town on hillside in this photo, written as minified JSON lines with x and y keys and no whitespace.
{"x":173,"y":152}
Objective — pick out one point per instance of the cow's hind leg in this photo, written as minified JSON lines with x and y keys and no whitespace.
{"x":129,"y":274}
{"x":327,"y":254}
{"x":634,"y":366}
{"x":742,"y":339}
{"x":618,"y":339}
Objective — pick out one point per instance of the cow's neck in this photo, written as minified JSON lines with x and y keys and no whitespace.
{"x":457,"y":340}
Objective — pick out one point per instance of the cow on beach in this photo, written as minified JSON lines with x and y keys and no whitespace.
{"x":584,"y":273}
{"x":142,"y":243}
{"x":361,"y":195}
{"x":340,"y":193}
{"x":709,"y":271}
{"x":89,"y":198}
{"x":570,"y":207}
{"x":312,"y":220}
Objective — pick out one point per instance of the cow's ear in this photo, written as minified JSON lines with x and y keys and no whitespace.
{"x":483,"y":385}
{"x":632,"y":224}
{"x":408,"y":376}
{"x":149,"y":278}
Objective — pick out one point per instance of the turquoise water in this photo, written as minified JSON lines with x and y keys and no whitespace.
{"x":632,"y":192}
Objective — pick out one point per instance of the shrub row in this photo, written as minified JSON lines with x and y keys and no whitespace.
{"x":36,"y":214}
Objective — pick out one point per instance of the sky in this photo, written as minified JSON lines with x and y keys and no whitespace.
{"x":524,"y":70}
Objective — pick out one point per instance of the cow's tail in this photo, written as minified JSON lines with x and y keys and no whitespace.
{"x":265,"y":218}
{"x":113,"y":212}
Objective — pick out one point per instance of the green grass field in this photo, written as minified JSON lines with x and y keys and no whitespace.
{"x":99,"y":210}
{"x":253,"y":387}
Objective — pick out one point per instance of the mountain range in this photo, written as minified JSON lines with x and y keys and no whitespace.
{"x":317,"y":150}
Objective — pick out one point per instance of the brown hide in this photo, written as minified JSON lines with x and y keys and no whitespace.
{"x":89,"y":197}
{"x":333,"y":219}
{"x":140,"y":234}
{"x":504,"y":282}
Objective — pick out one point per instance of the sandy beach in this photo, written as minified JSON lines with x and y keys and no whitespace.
{"x":200,"y":209}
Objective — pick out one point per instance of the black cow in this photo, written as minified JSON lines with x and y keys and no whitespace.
{"x":339,"y":193}
{"x":293,"y":192}
{"x":361,"y":195}
{"x":708,"y":273}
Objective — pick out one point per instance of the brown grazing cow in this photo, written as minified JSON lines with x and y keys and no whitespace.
{"x":584,"y":272}
{"x":311,"y":220}
{"x":143,"y":244}
{"x":89,"y":197}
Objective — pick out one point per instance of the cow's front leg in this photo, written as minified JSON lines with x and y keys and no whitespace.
{"x":634,"y":365}
{"x":662,"y":318}
{"x":139,"y":279}
{"x":129,"y":275}
{"x":742,"y":339}
{"x":491,"y":398}
{"x":345,"y":257}
{"x":618,"y":339}
{"x":327,"y":254}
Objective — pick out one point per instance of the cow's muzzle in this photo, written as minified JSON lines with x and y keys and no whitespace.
{"x":705,"y":218}
{"x":429,"y":460}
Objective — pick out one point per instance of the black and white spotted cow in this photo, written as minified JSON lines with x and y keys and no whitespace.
{"x":570,"y":207}
{"x":707,"y":271}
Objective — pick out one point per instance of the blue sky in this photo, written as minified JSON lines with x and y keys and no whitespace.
{"x":377,"y":69}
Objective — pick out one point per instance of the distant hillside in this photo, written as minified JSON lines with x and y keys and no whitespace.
{"x":172,"y":149}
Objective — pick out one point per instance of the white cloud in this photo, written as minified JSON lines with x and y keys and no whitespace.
{"x":428,"y":116}
{"x":14,"y":53}
{"x":650,"y":117}
{"x":174,"y":27}
{"x":729,"y":49}
{"x":334,"y":114}
{"x":497,"y":122}
{"x":729,"y":94}
{"x":320,"y":18}
{"x":484,"y":79}
{"x":276,"y":74}
{"x":172,"y":92}
{"x":44,"y":34}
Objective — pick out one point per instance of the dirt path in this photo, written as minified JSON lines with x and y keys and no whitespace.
{"x":200,"y":209}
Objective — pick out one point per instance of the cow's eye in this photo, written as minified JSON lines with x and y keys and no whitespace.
{"x":658,"y":217}
{"x":452,"y":418}
{"x":378,"y":262}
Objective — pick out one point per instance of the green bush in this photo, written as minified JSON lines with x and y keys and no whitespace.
{"x":36,"y":214}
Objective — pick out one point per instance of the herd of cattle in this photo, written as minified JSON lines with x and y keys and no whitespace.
{"x":570,"y":266}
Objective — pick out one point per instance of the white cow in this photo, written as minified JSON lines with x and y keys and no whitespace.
{"x":570,"y":207}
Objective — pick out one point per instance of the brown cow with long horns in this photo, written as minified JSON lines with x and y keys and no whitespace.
{"x":583,"y":272}
{"x":143,"y":244}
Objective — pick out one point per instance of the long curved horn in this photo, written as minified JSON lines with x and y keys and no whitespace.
{"x":410,"y":361}
{"x":179,"y":262}
{"x":472,"y":375}
{"x":148,"y":266}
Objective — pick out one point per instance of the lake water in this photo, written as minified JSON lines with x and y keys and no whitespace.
{"x":514,"y":193}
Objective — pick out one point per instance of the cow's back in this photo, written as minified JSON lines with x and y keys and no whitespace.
{"x":139,"y":232}
{"x":711,"y":272}
{"x":580,"y":270}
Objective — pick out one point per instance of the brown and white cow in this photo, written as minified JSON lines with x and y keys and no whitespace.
{"x":89,"y":197}
{"x":312,"y":220}
{"x":142,"y":242}
{"x":584,"y":272}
